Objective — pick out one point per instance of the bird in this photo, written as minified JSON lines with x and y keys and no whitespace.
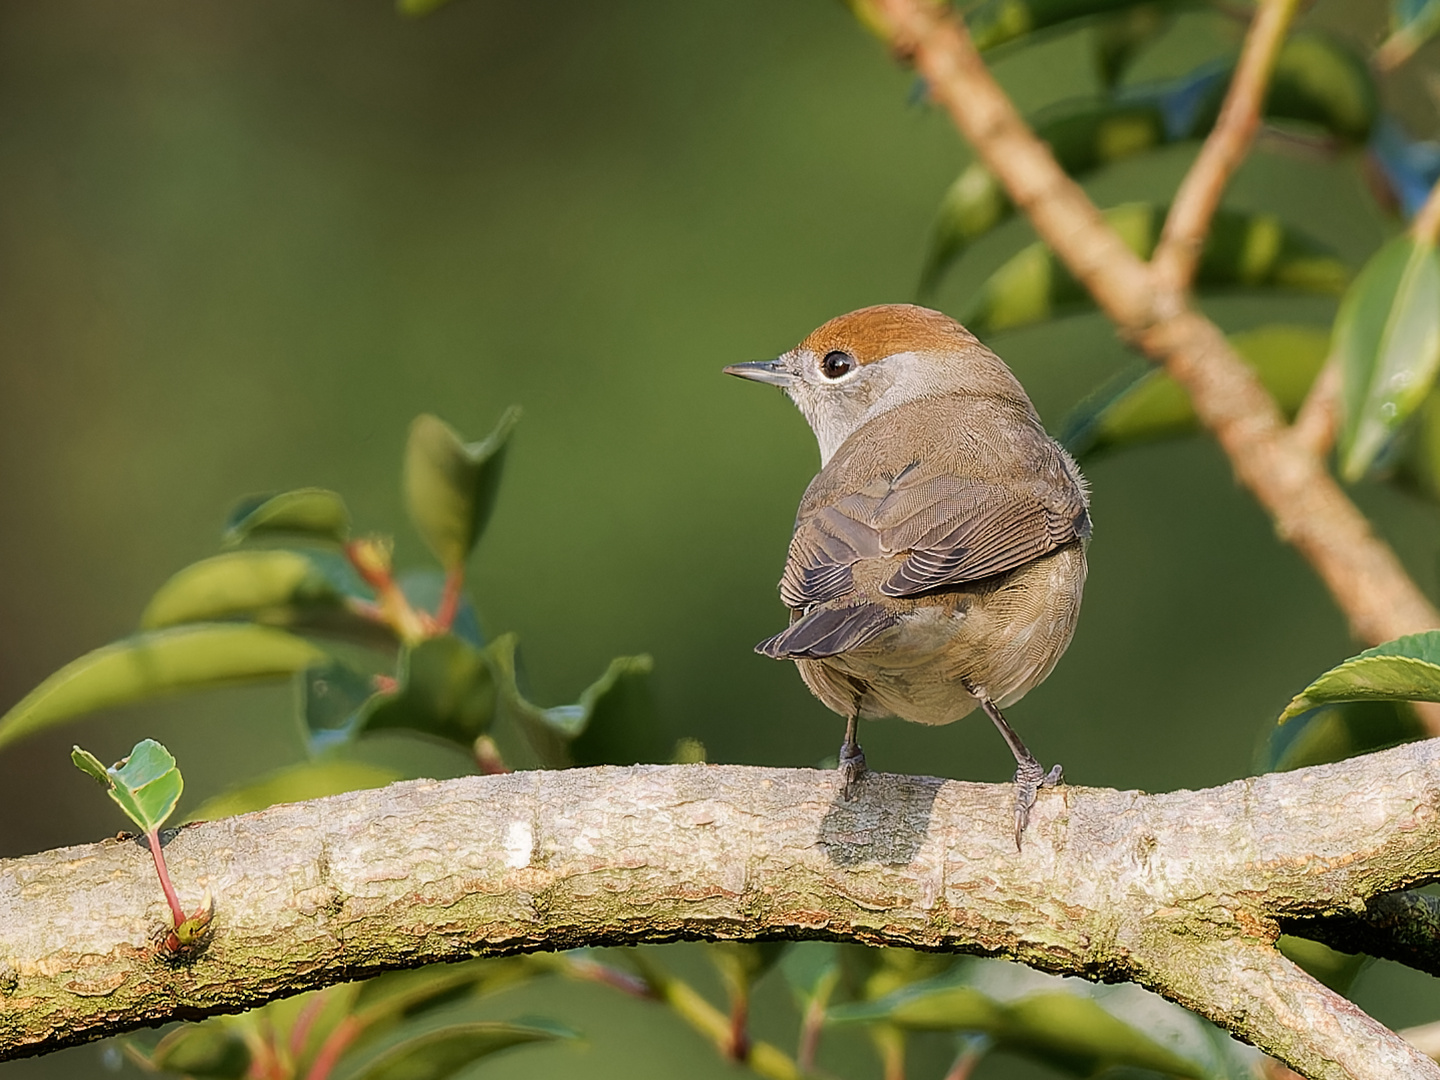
{"x":938,"y":557}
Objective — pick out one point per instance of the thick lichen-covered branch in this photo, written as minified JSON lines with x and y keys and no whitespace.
{"x":1110,"y":884}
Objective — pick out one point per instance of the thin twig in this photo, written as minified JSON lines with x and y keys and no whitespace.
{"x":1178,"y":252}
{"x":1318,"y":421}
{"x":1426,"y":225}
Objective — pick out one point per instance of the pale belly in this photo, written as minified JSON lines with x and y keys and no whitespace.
{"x":1001,"y":638}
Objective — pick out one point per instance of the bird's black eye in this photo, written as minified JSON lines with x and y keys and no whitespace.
{"x":837,"y":363}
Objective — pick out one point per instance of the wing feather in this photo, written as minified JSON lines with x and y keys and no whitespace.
{"x":942,"y":528}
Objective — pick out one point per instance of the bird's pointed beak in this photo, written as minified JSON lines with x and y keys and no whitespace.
{"x":773,"y":372}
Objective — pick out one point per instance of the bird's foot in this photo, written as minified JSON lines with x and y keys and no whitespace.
{"x":852,"y":768}
{"x":1029,"y":779}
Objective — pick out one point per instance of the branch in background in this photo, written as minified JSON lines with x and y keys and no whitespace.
{"x":1426,"y":226}
{"x":1318,"y":421}
{"x":1403,"y":926}
{"x":1178,"y":252}
{"x":1111,"y":884}
{"x":1309,"y":509}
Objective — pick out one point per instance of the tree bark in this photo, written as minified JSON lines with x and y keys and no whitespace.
{"x":1182,"y":892}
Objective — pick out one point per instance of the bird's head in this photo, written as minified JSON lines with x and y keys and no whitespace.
{"x":864,"y":363}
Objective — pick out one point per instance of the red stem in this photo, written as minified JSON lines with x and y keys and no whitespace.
{"x":300,"y":1032}
{"x":176,"y":911}
{"x":450,"y":598}
{"x":739,"y":1048}
{"x":336,"y":1043}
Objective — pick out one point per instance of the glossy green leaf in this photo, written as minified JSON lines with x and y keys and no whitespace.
{"x":1406,"y":669}
{"x":92,"y":766}
{"x":1119,"y":38}
{"x":1319,"y":80}
{"x":409,"y":993}
{"x":295,"y":783}
{"x":306,"y":513}
{"x":550,"y":731}
{"x":943,"y":1008}
{"x":996,"y":22}
{"x":434,"y":1050}
{"x":155,"y":663}
{"x":416,"y":8}
{"x":742,"y":964}
{"x":423,"y":589}
{"x":1387,"y":340}
{"x":1319,"y":83}
{"x":809,"y":965}
{"x":446,"y":690}
{"x":145,"y":784}
{"x":1076,"y":1033}
{"x":1144,"y":403}
{"x":1069,"y":1031}
{"x":1242,"y":251}
{"x":215,"y":1049}
{"x":268,"y":585}
{"x":1417,"y":465}
{"x":1335,"y":732}
{"x":329,"y":698}
{"x":450,"y":485}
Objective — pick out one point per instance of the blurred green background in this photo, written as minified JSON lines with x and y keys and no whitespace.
{"x":244,"y":244}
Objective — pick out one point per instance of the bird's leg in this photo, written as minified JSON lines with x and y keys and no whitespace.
{"x":1030,"y":775}
{"x":852,"y":758}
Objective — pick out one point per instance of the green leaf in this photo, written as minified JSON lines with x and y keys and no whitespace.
{"x":1318,"y":83}
{"x":1406,"y":669}
{"x":146,"y":784}
{"x":808,"y":966}
{"x":1387,"y":339}
{"x":742,"y":964}
{"x":550,"y":731}
{"x":1335,"y":732}
{"x":1066,"y":1030}
{"x":417,"y":8}
{"x":942,"y":1008}
{"x":215,"y":1049}
{"x":409,"y":993}
{"x":307,"y":513}
{"x":423,"y":588}
{"x":295,"y":783}
{"x":1075,"y":1033}
{"x":92,"y":766}
{"x":1417,"y":466}
{"x":1318,"y":80}
{"x":996,"y":22}
{"x":450,"y":485}
{"x":1143,"y":403}
{"x":156,"y":663}
{"x":434,"y":1050}
{"x":1119,"y":38}
{"x":1241,"y":251}
{"x":446,"y":689}
{"x":269,"y":585}
{"x":329,"y":699}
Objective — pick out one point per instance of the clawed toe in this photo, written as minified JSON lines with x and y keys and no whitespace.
{"x":1029,"y":779}
{"x":852,"y":768}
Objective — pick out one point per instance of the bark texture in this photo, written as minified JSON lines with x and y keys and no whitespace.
{"x":1182,"y":892}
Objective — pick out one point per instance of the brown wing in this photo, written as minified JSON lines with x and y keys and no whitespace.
{"x":942,"y":528}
